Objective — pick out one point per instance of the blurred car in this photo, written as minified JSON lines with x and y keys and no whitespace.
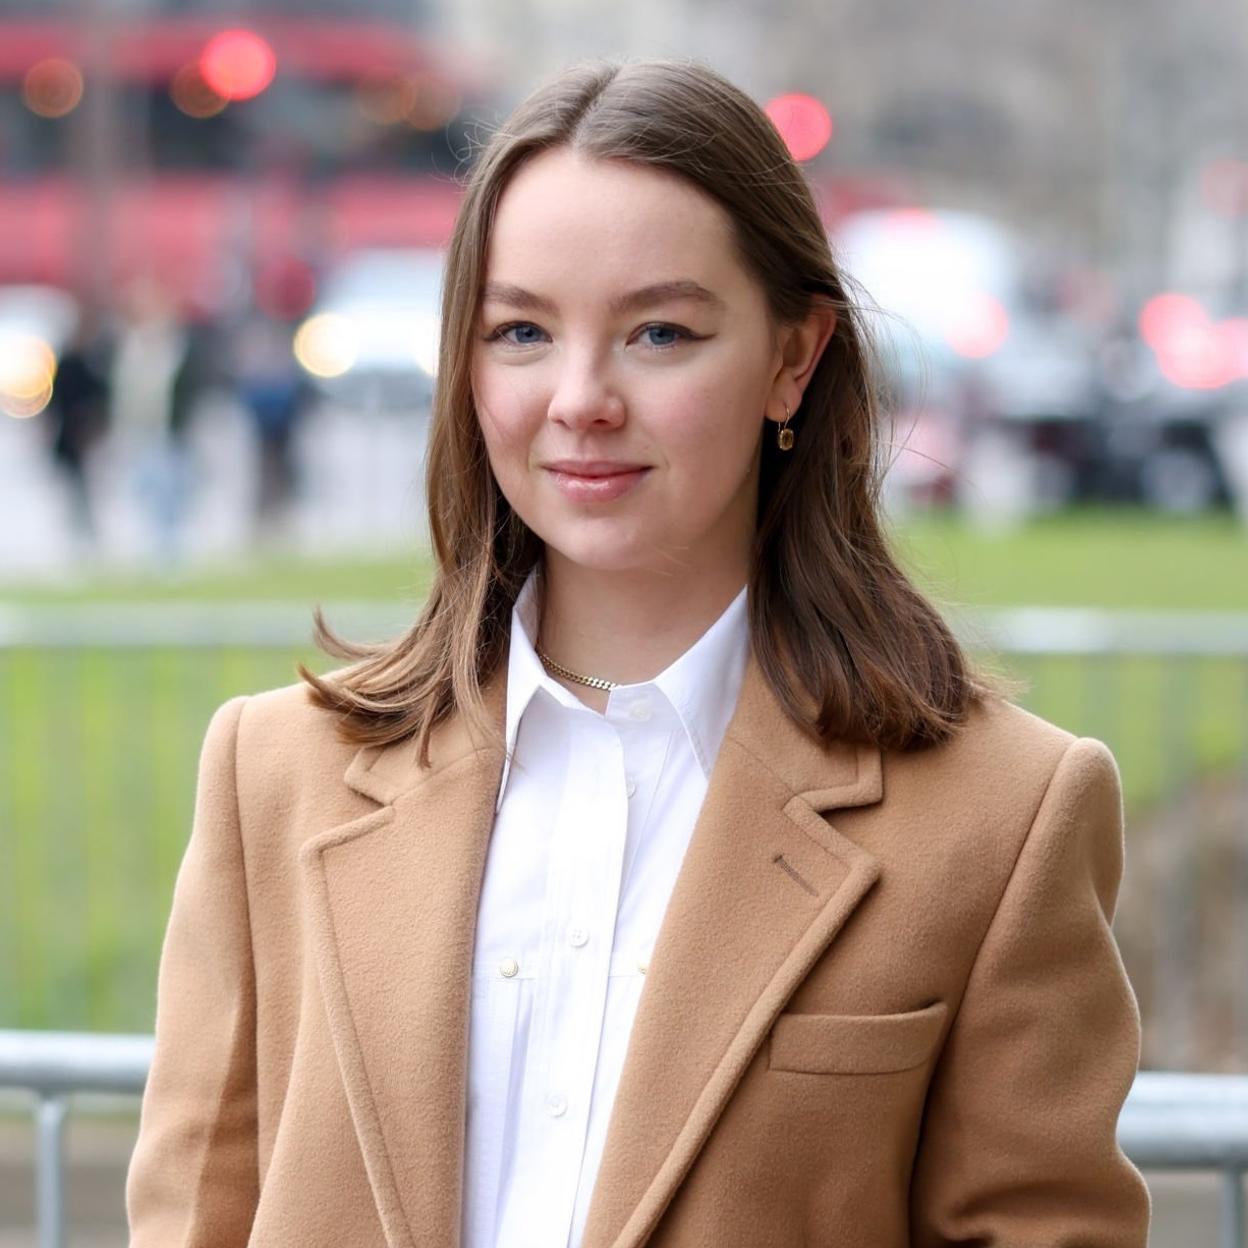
{"x":946,"y":280}
{"x":969,"y":354}
{"x":1043,"y":383}
{"x":371,"y":338}
{"x":36,"y":324}
{"x":1167,"y":443}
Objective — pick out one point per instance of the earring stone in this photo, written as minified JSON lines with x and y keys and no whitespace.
{"x":784,"y":435}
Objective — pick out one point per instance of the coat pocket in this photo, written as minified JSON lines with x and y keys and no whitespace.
{"x":855,"y":1044}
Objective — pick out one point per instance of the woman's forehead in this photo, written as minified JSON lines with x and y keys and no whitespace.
{"x":558,"y":171}
{"x":564,"y":216}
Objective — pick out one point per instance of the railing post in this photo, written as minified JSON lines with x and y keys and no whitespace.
{"x":1232,"y":1207}
{"x":1239,"y":920}
{"x":1175,"y":934}
{"x":49,"y":1170}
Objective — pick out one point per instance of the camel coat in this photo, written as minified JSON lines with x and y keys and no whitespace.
{"x":884,"y":1008}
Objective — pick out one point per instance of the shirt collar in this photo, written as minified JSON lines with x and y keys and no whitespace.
{"x":702,"y":685}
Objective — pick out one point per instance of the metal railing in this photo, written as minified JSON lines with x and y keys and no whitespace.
{"x":1102,"y":673}
{"x":1017,"y":630}
{"x":1192,"y":1122}
{"x":101,"y":817}
{"x":1169,"y":1121}
{"x":53,"y":1065}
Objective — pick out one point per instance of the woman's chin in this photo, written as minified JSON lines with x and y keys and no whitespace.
{"x":603,"y":557}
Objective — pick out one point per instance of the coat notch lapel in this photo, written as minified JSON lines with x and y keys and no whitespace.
{"x":391,"y":901}
{"x":765,"y":886}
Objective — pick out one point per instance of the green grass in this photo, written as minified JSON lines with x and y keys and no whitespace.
{"x":97,"y":778}
{"x":1119,"y":559}
{"x":99,"y":751}
{"x":364,"y":578}
{"x":1083,"y":559}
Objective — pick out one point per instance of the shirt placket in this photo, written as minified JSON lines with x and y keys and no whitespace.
{"x":587,"y":853}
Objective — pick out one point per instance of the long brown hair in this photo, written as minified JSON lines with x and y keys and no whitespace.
{"x":850,"y":647}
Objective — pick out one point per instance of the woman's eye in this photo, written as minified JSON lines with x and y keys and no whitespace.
{"x":667,"y":335}
{"x":659,"y":336}
{"x":526,"y":334}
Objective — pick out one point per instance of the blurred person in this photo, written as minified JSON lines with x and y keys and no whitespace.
{"x":674,"y":879}
{"x":276,"y":395}
{"x":152,"y":395}
{"x":78,"y":416}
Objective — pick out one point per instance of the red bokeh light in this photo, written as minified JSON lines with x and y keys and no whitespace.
{"x":979,"y":327}
{"x":193,"y":95}
{"x":803,"y":122}
{"x":53,"y":87}
{"x":1193,"y":350}
{"x":237,"y":64}
{"x":1166,"y":318}
{"x":1200,"y":358}
{"x":1235,"y":331}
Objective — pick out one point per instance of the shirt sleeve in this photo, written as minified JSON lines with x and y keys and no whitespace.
{"x":193,"y":1178}
{"x":1019,"y":1142}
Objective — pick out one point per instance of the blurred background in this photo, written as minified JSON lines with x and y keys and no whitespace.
{"x":221,"y":232}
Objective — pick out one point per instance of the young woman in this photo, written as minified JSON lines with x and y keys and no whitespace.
{"x":673,"y":880}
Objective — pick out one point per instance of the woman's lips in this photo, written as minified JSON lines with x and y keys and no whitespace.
{"x":596,"y":489}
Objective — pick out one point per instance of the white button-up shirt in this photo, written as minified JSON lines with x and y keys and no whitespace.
{"x":594,"y":815}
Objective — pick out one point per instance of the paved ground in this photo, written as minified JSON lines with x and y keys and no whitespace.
{"x":1186,"y":1205}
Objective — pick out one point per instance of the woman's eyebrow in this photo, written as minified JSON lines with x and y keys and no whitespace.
{"x":644,"y":296}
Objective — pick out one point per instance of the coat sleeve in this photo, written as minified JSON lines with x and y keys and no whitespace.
{"x":1019,"y":1143}
{"x":193,"y":1177}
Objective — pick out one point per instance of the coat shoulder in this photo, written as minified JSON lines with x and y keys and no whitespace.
{"x":1007,"y":731}
{"x":1001,"y":759}
{"x":289,"y":748}
{"x":1023,"y":743}
{"x":289,"y":713}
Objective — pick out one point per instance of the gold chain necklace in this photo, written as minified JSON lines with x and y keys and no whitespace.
{"x":594,"y":682}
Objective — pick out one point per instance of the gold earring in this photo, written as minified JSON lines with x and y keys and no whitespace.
{"x":784,"y":435}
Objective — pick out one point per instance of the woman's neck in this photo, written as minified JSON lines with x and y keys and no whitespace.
{"x":626,"y":627}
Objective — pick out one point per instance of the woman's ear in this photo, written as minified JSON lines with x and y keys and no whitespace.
{"x":802,"y":347}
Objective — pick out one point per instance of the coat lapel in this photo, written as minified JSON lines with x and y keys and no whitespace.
{"x":392,"y":897}
{"x":392,"y":905}
{"x":765,"y":886}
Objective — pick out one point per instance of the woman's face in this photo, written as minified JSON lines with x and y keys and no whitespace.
{"x":620,"y":335}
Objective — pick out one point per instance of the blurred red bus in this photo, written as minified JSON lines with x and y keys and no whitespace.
{"x":118,"y":157}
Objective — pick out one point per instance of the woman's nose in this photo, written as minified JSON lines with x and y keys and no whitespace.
{"x":584,"y":395}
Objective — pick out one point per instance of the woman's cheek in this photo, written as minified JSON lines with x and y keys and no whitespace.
{"x":708,"y":426}
{"x":498,"y":424}
{"x":508,"y":409}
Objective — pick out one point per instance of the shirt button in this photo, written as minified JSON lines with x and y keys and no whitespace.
{"x":508,"y":967}
{"x":639,"y":710}
{"x":556,"y":1104}
{"x":630,"y":785}
{"x":577,"y":936}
